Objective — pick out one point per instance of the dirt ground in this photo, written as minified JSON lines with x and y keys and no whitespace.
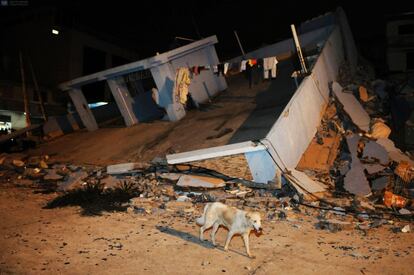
{"x":64,"y":240}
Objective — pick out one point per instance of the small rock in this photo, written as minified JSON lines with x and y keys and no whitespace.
{"x":406,"y":229}
{"x":204,"y":263}
{"x":404,"y":211}
{"x":18,"y":163}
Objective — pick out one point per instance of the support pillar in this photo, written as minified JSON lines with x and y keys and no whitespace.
{"x":164,"y":77}
{"x":82,"y":108}
{"x":123,"y":99}
{"x":262,"y":166}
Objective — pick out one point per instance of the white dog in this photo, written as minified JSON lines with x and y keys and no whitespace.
{"x":235,"y":220}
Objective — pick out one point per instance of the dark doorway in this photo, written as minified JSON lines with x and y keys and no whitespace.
{"x":93,"y":61}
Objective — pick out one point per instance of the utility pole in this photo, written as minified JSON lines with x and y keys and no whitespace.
{"x":25,"y":95}
{"x":39,"y":94}
{"x":238,"y":41}
{"x":298,"y":49}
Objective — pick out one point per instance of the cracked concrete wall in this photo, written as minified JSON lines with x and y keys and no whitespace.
{"x":296,"y":126}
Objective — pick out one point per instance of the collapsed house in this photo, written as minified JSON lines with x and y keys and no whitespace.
{"x":162,"y":68}
{"x":290,"y":135}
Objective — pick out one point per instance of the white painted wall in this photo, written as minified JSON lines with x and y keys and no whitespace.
{"x":206,"y":84}
{"x":18,"y":119}
{"x":295,"y":128}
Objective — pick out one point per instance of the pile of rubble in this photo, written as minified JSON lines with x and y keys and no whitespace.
{"x":370,"y":182}
{"x":353,"y":155}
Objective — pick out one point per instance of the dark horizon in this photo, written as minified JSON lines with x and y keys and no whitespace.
{"x":149,"y":28}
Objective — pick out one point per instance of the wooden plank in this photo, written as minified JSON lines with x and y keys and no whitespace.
{"x":214,"y":152}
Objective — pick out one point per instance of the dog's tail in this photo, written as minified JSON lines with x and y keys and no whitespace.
{"x":202,"y":219}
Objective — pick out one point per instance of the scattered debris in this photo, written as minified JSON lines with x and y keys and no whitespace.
{"x":124,"y":168}
{"x":392,"y":200}
{"x":355,"y":181}
{"x":373,"y":150}
{"x":200,"y":182}
{"x":351,"y":105}
{"x":406,"y":229}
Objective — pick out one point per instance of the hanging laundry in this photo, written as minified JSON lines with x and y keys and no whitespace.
{"x":243,"y":65}
{"x":182,"y":81}
{"x":226,"y":68}
{"x":269,"y":64}
{"x":252,"y":62}
{"x":196,"y":70}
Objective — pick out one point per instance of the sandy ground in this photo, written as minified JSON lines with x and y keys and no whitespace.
{"x":34,"y":240}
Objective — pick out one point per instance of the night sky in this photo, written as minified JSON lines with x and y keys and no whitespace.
{"x":150,"y":26}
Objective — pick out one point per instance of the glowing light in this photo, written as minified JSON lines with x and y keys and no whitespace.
{"x":97,"y":104}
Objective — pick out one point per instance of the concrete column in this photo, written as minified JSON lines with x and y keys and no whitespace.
{"x":83,"y":110}
{"x":262,"y":166}
{"x":164,"y":77}
{"x":123,"y":99}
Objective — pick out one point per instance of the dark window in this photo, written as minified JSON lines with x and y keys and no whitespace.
{"x":410,"y":61}
{"x":118,"y":61}
{"x":406,"y":29}
{"x":5,"y":118}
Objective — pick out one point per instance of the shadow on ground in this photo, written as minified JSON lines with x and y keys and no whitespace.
{"x":189,"y":237}
{"x":184,"y":235}
{"x":94,"y":200}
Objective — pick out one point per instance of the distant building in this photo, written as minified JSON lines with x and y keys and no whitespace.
{"x":58,"y":50}
{"x":400,"y":43}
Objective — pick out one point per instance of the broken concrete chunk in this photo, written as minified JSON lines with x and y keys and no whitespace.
{"x":373,"y":168}
{"x":171,"y":176}
{"x":52,"y":175}
{"x":353,"y":108}
{"x":320,"y":157}
{"x":352,"y":142}
{"x":200,"y":181}
{"x":303,"y":183}
{"x":406,"y":229}
{"x":404,"y":211}
{"x":124,"y":168}
{"x":43,"y":164}
{"x":334,"y":225}
{"x":373,"y":150}
{"x":74,"y":181}
{"x":380,"y":183}
{"x":18,"y":163}
{"x":355,"y":181}
{"x":393,"y":152}
{"x":379,"y":130}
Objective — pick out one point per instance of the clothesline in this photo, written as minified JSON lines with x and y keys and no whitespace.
{"x":267,"y":64}
{"x":184,"y":75}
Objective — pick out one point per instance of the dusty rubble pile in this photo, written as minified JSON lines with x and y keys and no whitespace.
{"x":359,"y":158}
{"x":370,"y":181}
